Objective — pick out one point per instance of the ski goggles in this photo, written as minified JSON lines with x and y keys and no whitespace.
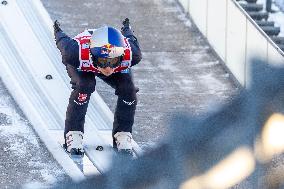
{"x":108,"y":62}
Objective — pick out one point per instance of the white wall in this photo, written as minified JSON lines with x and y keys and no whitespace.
{"x":236,"y":46}
{"x":216,"y":26}
{"x":233,"y":35}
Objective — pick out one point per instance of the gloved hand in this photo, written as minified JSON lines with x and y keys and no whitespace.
{"x":56,"y":26}
{"x":126,"y":24}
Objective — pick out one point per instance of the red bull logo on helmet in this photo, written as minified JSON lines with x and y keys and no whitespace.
{"x":111,"y":51}
{"x":106,"y":49}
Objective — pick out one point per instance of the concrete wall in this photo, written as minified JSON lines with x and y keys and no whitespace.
{"x":233,"y":35}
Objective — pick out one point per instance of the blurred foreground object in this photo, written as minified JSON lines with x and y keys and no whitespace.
{"x":220,"y":149}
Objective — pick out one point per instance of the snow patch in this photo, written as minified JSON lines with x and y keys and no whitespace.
{"x":280,"y":4}
{"x":48,"y":178}
{"x":85,"y":24}
{"x":278,"y":16}
{"x":20,"y":137}
{"x":175,"y":8}
{"x":18,"y":127}
{"x":207,"y":64}
{"x":35,"y":185}
{"x":45,"y":174}
{"x":184,"y":84}
{"x":168,"y":65}
{"x":124,"y":1}
{"x":212,"y":83}
{"x":87,"y":4}
{"x":184,"y":18}
{"x":146,"y":146}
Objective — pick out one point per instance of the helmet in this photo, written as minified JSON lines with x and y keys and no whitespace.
{"x":107,"y":42}
{"x":107,"y":47}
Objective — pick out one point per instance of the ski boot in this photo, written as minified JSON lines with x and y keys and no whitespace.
{"x":124,"y":143}
{"x":74,"y":143}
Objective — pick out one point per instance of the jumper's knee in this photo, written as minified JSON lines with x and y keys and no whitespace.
{"x":86,"y":86}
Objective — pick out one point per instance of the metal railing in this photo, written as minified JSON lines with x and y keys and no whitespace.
{"x":233,"y":34}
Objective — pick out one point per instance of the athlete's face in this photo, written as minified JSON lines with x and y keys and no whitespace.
{"x":106,"y":71}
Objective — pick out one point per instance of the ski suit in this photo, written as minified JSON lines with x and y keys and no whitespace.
{"x":76,"y":57}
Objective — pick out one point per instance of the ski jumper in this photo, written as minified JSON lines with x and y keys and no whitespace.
{"x":83,"y":72}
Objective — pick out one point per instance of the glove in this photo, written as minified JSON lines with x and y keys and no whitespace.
{"x":56,"y":26}
{"x":126,"y":24}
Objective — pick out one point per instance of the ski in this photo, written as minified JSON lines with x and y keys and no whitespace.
{"x":83,"y":162}
{"x":98,"y":151}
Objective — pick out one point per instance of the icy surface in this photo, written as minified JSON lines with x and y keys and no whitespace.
{"x":24,"y":159}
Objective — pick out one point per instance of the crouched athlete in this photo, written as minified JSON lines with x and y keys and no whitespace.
{"x":106,"y":53}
